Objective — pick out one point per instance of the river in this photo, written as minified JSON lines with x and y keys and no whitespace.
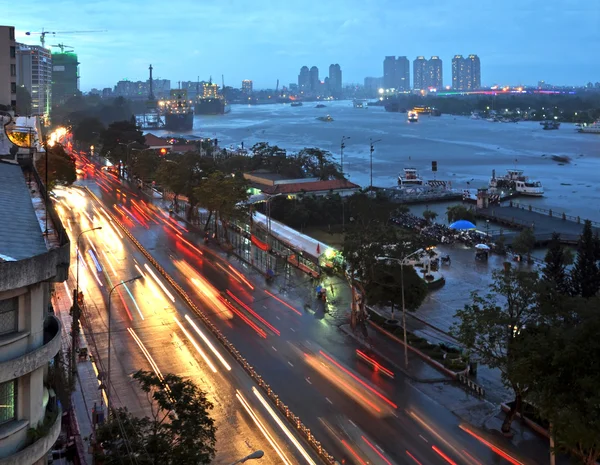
{"x":466,"y":150}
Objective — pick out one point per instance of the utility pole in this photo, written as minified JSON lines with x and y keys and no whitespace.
{"x":342,"y":147}
{"x":371,"y":150}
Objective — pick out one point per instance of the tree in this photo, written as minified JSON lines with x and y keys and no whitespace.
{"x":494,"y":327}
{"x":61,"y":167}
{"x":554,"y":273}
{"x":144,"y":164}
{"x":385,"y":286}
{"x":87,"y":131}
{"x":179,"y":430}
{"x":430,"y":215}
{"x":459,"y":212}
{"x":317,"y":163}
{"x":115,"y":139}
{"x":524,"y":243}
{"x":585,"y":275}
{"x":23,"y":101}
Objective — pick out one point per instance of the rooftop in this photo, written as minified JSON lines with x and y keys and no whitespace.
{"x":314,"y":186}
{"x":154,"y":141}
{"x":20,"y":235}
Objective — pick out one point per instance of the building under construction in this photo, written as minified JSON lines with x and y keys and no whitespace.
{"x":65,"y":77}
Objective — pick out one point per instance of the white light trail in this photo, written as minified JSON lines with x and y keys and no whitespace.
{"x":145,"y":352}
{"x":162,"y":286}
{"x":195,"y":344}
{"x":208,"y":343}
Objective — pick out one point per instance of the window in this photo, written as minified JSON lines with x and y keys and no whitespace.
{"x":13,"y":52}
{"x":8,"y":401}
{"x":13,"y":70}
{"x":13,"y":87}
{"x":8,"y":315}
{"x":11,"y":33}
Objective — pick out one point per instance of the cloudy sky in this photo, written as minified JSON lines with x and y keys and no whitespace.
{"x":518,"y":42}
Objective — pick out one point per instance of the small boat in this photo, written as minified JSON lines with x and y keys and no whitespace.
{"x":296,"y":104}
{"x":412,"y":116}
{"x":410,"y":178}
{"x":515,"y":180}
{"x":359,"y":103}
{"x":327,"y":119}
{"x":593,"y":128}
{"x":550,"y":125}
{"x":320,"y":105}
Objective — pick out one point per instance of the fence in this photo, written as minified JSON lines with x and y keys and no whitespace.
{"x":61,"y":233}
{"x":551,"y":213}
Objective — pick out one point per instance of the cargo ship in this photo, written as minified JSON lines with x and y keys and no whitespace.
{"x":178,"y":111}
{"x":211,"y":102}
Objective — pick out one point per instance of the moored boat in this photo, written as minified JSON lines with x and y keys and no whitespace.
{"x":410,"y":178}
{"x":593,"y":128}
{"x":516,"y":181}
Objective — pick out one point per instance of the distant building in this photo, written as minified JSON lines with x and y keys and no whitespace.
{"x":304,"y":79}
{"x":65,"y":77}
{"x":396,"y":73}
{"x":272,"y":184}
{"x":372,"y":85}
{"x":389,"y":72}
{"x":435,"y":76}
{"x":474,"y":69}
{"x":314,"y":79}
{"x":466,"y":73}
{"x":247,"y":86}
{"x":420,"y":73}
{"x":34,"y":72}
{"x":458,"y":73}
{"x":107,"y":92}
{"x":8,"y":66}
{"x":335,"y":80}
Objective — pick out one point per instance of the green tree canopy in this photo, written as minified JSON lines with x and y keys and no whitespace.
{"x":460,"y":212}
{"x":429,"y":215}
{"x":385,"y":286}
{"x":555,"y":273}
{"x":61,"y":167}
{"x":524,"y":242}
{"x":179,"y":430}
{"x":115,"y":138}
{"x":585,"y":275}
{"x":144,"y":164}
{"x":88,"y":131}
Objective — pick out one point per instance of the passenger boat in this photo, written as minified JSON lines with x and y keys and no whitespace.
{"x":410,"y":178}
{"x":516,"y":181}
{"x":593,"y":128}
{"x":412,"y":116}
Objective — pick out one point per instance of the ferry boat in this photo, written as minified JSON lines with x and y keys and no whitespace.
{"x":359,"y":104}
{"x":550,"y":125}
{"x":410,"y":178}
{"x":515,"y":180}
{"x":296,"y":104}
{"x":179,"y":113}
{"x":593,"y":128}
{"x":327,"y":119}
{"x":412,"y":116}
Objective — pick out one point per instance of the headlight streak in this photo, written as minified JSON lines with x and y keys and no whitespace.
{"x":208,"y":343}
{"x":261,"y":427}
{"x":228,"y":272}
{"x":162,"y":286}
{"x":195,"y":344}
{"x":133,"y":300}
{"x":241,"y":276}
{"x":95,"y":260}
{"x":283,"y":302}
{"x":146,"y":353}
{"x":196,"y":249}
{"x":109,"y":263}
{"x":378,"y":367}
{"x":253,"y":313}
{"x":284,"y":428}
{"x":261,"y":332}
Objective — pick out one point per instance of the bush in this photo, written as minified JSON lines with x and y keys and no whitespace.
{"x":450,"y":349}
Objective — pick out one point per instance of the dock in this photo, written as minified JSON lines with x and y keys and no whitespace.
{"x":543,"y":222}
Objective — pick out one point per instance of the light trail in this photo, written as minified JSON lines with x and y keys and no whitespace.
{"x":146,"y":353}
{"x":444,"y":456}
{"x":283,"y":427}
{"x":241,"y":276}
{"x":376,"y":451}
{"x":116,"y":229}
{"x":247,"y":320}
{"x":228,"y":272}
{"x":139,"y":270}
{"x":496,"y":449}
{"x":208,"y":343}
{"x":283,"y":302}
{"x":413,"y":457}
{"x":195,"y":344}
{"x":95,"y":260}
{"x":376,"y":365}
{"x":261,"y":427}
{"x":109,"y":263}
{"x":353,"y":452}
{"x":162,"y":286}
{"x":345,"y":370}
{"x":69,"y":292}
{"x":191,"y":245}
{"x":133,"y":299}
{"x":252,"y":312}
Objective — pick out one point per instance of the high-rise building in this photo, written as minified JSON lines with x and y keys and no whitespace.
{"x":458,"y":72}
{"x":8,"y":66}
{"x":65,"y":77}
{"x":304,"y":79}
{"x":435,"y":77}
{"x":34,"y":72}
{"x":466,"y":73}
{"x":335,"y":80}
{"x":402,"y":73}
{"x":389,"y":72}
{"x":314,"y":79}
{"x":420,"y":73}
{"x":247,"y":86}
{"x":372,"y":85}
{"x":31,"y":334}
{"x":474,"y":67}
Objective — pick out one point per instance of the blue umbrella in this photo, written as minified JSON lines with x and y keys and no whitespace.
{"x":462,"y":225}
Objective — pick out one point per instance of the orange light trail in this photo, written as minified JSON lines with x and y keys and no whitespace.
{"x":497,"y":450}
{"x":177,"y":231}
{"x":252,"y":312}
{"x":191,"y":245}
{"x":477,"y":462}
{"x":345,"y":370}
{"x":249,"y":322}
{"x":124,"y":304}
{"x":355,"y":455}
{"x":195,"y":344}
{"x":228,"y":272}
{"x":377,"y":366}
{"x":283,"y":302}
{"x":175,"y":223}
{"x":142,"y":212}
{"x":444,"y":456}
{"x":413,"y":457}
{"x":376,"y":451}
{"x":241,"y":276}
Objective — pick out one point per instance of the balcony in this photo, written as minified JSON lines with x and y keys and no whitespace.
{"x":32,"y":360}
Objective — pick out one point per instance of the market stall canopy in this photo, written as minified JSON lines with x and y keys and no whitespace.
{"x":482,"y":247}
{"x":462,"y":225}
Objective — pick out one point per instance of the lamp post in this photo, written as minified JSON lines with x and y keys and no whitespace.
{"x":127,"y":154}
{"x":253,"y":456}
{"x":268,"y":212}
{"x":109,"y":326}
{"x":342,"y":147}
{"x":371,"y":150}
{"x":75,"y":324}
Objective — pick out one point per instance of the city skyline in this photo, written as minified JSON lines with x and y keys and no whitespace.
{"x":319,"y":34}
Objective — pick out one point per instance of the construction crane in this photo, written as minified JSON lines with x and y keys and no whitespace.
{"x":43,"y":34}
{"x":62,"y":47}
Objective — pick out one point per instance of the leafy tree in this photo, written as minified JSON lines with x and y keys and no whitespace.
{"x":585,"y":275}
{"x":179,"y":430}
{"x":61,"y":167}
{"x":144,"y":164}
{"x":385,"y":286}
{"x":87,"y":131}
{"x":115,"y":138}
{"x":555,"y":273}
{"x":23,"y":101}
{"x":430,"y":215}
{"x":494,"y":327}
{"x":524,"y":242}
{"x":459,"y":212}
{"x":317,"y":163}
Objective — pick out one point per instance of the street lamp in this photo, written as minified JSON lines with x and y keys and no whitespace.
{"x":74,"y":325}
{"x":253,"y":456}
{"x":127,"y":153}
{"x":109,"y":325}
{"x":342,"y":147}
{"x":371,"y":150}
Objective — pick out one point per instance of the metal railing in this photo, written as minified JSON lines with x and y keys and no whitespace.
{"x":61,"y":233}
{"x":551,"y":213}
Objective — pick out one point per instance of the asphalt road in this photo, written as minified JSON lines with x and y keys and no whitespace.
{"x":360,"y":415}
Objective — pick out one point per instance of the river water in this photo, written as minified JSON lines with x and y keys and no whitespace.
{"x":466,"y":150}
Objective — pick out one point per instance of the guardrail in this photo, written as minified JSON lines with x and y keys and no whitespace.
{"x":551,"y":213}
{"x":293,"y":419}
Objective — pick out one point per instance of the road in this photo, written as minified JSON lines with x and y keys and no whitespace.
{"x":360,"y":415}
{"x":150,"y":331}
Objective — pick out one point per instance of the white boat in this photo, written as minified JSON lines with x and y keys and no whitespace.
{"x":412,"y":116}
{"x":410,"y":178}
{"x":593,"y":128}
{"x":515,"y":180}
{"x":475,"y":115}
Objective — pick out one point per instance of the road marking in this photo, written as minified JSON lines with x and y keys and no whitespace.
{"x":423,"y":438}
{"x":277,"y":317}
{"x":293,"y":330}
{"x":274,"y":348}
{"x":290,"y":363}
{"x":308,"y":381}
{"x":394,"y":413}
{"x":265,"y":307}
{"x":328,"y":400}
{"x":352,"y":423}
